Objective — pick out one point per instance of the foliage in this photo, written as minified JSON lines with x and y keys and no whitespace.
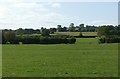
{"x":59,"y":39}
{"x":71,"y":27}
{"x":9,"y":36}
{"x":109,"y":34}
{"x":45,"y":32}
{"x":113,"y":39}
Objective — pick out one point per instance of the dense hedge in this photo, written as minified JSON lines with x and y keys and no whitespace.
{"x":43,"y":40}
{"x":113,"y":39}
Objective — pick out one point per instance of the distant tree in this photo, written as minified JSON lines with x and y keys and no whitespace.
{"x":59,"y":28}
{"x":52,"y":30}
{"x":64,"y":29}
{"x":107,"y":30}
{"x":71,"y":27}
{"x":28,"y":31}
{"x":41,"y":30}
{"x":102,"y":31}
{"x":81,"y":27}
{"x":90,"y":28}
{"x":46,"y":32}
{"x":9,"y":36}
{"x":37,"y":31}
{"x":20,"y":31}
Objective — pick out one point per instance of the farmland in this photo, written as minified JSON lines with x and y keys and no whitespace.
{"x":66,"y":33}
{"x":77,"y":33}
{"x":86,"y":58}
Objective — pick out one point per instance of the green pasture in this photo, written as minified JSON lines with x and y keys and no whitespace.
{"x":86,"y":58}
{"x":0,"y":60}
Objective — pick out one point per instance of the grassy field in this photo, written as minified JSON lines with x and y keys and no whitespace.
{"x":86,"y":58}
{"x":66,"y":33}
{"x":0,"y":60}
{"x":77,"y":33}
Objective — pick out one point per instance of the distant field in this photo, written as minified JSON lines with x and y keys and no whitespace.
{"x":86,"y":58}
{"x":66,"y":33}
{"x":77,"y":33}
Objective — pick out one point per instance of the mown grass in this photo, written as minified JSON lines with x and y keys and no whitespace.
{"x":86,"y":58}
{"x":0,"y":61}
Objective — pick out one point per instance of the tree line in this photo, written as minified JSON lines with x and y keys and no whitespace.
{"x":70,"y":28}
{"x":106,"y":34}
{"x":10,"y":37}
{"x":109,"y":34}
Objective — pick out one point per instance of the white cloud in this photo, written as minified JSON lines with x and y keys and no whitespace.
{"x":28,"y":14}
{"x":56,"y":5}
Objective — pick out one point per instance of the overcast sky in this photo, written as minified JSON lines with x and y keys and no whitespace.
{"x":35,"y":14}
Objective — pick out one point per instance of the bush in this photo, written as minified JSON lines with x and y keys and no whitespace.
{"x":44,"y":40}
{"x":71,"y":40}
{"x":30,"y":40}
{"x":112,"y":39}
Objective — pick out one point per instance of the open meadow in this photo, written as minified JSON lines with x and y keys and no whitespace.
{"x":85,"y":58}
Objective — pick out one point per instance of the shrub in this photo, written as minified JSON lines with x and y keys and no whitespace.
{"x":71,"y":40}
{"x":30,"y":40}
{"x":44,"y":40}
{"x":111,"y":39}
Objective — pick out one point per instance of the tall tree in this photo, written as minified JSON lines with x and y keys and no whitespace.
{"x":59,"y":28}
{"x":9,"y":36}
{"x":103,"y":31}
{"x":81,"y":27}
{"x":71,"y":27}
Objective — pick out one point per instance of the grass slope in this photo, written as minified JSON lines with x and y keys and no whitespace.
{"x":86,"y":58}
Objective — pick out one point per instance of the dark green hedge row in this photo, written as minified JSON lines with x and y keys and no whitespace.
{"x":113,"y":39}
{"x":43,"y":40}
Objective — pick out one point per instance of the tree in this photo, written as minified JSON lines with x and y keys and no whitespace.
{"x":71,"y":27}
{"x":37,"y":31}
{"x":59,"y":27}
{"x":28,"y":31}
{"x":45,"y":32}
{"x":20,"y":31}
{"x":9,"y":36}
{"x":41,"y":30}
{"x":64,"y":29}
{"x":52,"y":30}
{"x":103,"y":31}
{"x":81,"y":27}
